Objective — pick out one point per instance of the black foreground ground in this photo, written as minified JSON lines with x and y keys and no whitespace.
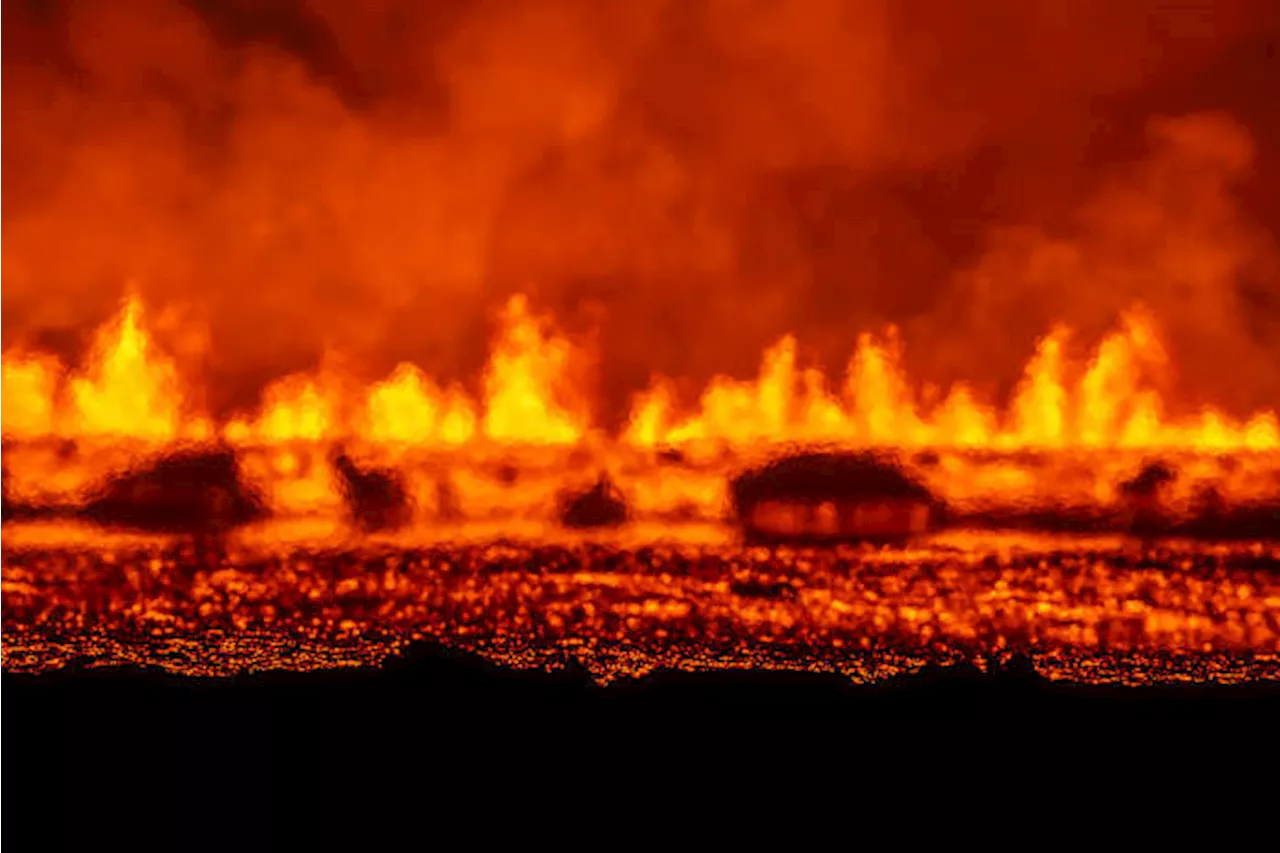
{"x":170,"y":760}
{"x":258,"y":762}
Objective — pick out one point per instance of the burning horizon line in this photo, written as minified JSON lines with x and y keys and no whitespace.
{"x":132,"y":390}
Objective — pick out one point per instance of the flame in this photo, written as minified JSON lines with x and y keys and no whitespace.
{"x":295,"y":408}
{"x":409,"y":408}
{"x":521,"y":382}
{"x":1109,"y":407}
{"x":29,"y":383}
{"x":1040,"y":408}
{"x":129,"y":389}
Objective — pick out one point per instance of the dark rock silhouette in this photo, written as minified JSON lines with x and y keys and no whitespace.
{"x":189,"y":491}
{"x":600,"y":506}
{"x":1148,"y":482}
{"x":832,"y":496}
{"x":1144,"y":511}
{"x":448,"y":505}
{"x":1016,"y":668}
{"x":376,"y":498}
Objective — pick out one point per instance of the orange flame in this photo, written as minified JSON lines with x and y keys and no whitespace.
{"x":409,"y":408}
{"x":29,"y":385}
{"x":521,"y":381}
{"x":1109,"y":407}
{"x":130,"y":389}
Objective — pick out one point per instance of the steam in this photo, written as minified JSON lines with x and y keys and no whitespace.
{"x":694,"y":178}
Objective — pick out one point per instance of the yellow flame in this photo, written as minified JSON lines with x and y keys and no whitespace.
{"x":27,"y":393}
{"x":408,"y":408}
{"x":130,"y":389}
{"x":294,"y":408}
{"x":524,"y":372}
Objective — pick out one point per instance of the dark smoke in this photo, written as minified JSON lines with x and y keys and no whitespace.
{"x":696,"y":177}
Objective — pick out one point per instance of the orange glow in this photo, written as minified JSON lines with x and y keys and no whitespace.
{"x":294,"y":408}
{"x":409,"y":408}
{"x":1108,"y":407}
{"x":27,"y":393}
{"x":521,"y":381}
{"x":129,"y":389}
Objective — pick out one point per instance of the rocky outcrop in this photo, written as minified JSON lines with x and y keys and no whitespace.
{"x":600,"y":506}
{"x":188,"y":491}
{"x":1143,"y":509}
{"x":832,"y":497}
{"x":375,"y":498}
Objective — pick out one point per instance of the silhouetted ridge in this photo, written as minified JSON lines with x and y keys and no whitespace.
{"x":195,"y":491}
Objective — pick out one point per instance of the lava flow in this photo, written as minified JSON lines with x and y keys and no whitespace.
{"x":483,"y":561}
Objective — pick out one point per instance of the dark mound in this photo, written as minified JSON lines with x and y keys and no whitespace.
{"x":1143,"y":511}
{"x":599,"y":506}
{"x":189,"y":491}
{"x":672,"y":456}
{"x":827,"y":476}
{"x":864,"y":496}
{"x":1149,"y":481}
{"x":927,"y":458}
{"x":376,"y":498}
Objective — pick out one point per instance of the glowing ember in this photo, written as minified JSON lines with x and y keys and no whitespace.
{"x":1091,"y":615}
